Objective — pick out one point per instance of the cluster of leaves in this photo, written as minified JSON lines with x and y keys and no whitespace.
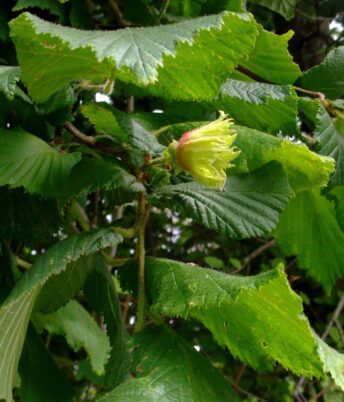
{"x":91,"y":94}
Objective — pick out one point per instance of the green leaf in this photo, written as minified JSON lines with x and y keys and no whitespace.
{"x":168,"y":369}
{"x":53,"y":6}
{"x":187,"y":60}
{"x":61,"y":100}
{"x":249,"y":206}
{"x":16,"y":310}
{"x":121,"y":126}
{"x":91,"y":174}
{"x":100,"y":293}
{"x":319,"y":251}
{"x":41,"y":379}
{"x":139,"y":137}
{"x":265,"y":107}
{"x":305,"y":169}
{"x":6,"y":274}
{"x":58,"y":290}
{"x":213,"y":262}
{"x":333,"y":362}
{"x":286,"y":8}
{"x":338,"y":194}
{"x":259,"y":318}
{"x":271,"y":60}
{"x":104,"y":121}
{"x":326,"y":77}
{"x":80,"y":330}
{"x":9,"y":76}
{"x":14,"y":319}
{"x":20,"y":112}
{"x":331,"y":143}
{"x":26,"y":160}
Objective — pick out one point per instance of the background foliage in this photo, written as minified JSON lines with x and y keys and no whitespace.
{"x":241,"y":294}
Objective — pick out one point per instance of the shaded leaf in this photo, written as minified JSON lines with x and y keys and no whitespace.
{"x":168,"y":369}
{"x":81,"y":331}
{"x":26,"y":218}
{"x":26,"y":160}
{"x":53,"y":6}
{"x":101,"y":295}
{"x":41,"y":379}
{"x":16,"y":310}
{"x":104,"y":121}
{"x":331,"y":142}
{"x":338,"y":194}
{"x":9,"y":76}
{"x":58,"y":290}
{"x":319,"y":251}
{"x":326,"y":77}
{"x":286,"y":8}
{"x":91,"y":174}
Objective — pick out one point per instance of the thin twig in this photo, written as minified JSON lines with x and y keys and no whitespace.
{"x":163,"y":9}
{"x":255,"y":254}
{"x":335,"y":317}
{"x":247,"y":393}
{"x":117,"y":13}
{"x":297,"y":392}
{"x":340,"y":330}
{"x":239,"y":374}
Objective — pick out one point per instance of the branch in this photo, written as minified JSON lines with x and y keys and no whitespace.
{"x":255,"y":254}
{"x":163,"y":9}
{"x":244,"y":392}
{"x":334,"y":318}
{"x":79,"y":214}
{"x":22,"y":263}
{"x":86,"y":139}
{"x":299,"y":90}
{"x":140,"y":255}
{"x":252,"y":75}
{"x":89,"y":140}
{"x":239,"y":375}
{"x":117,"y":13}
{"x":313,"y":94}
